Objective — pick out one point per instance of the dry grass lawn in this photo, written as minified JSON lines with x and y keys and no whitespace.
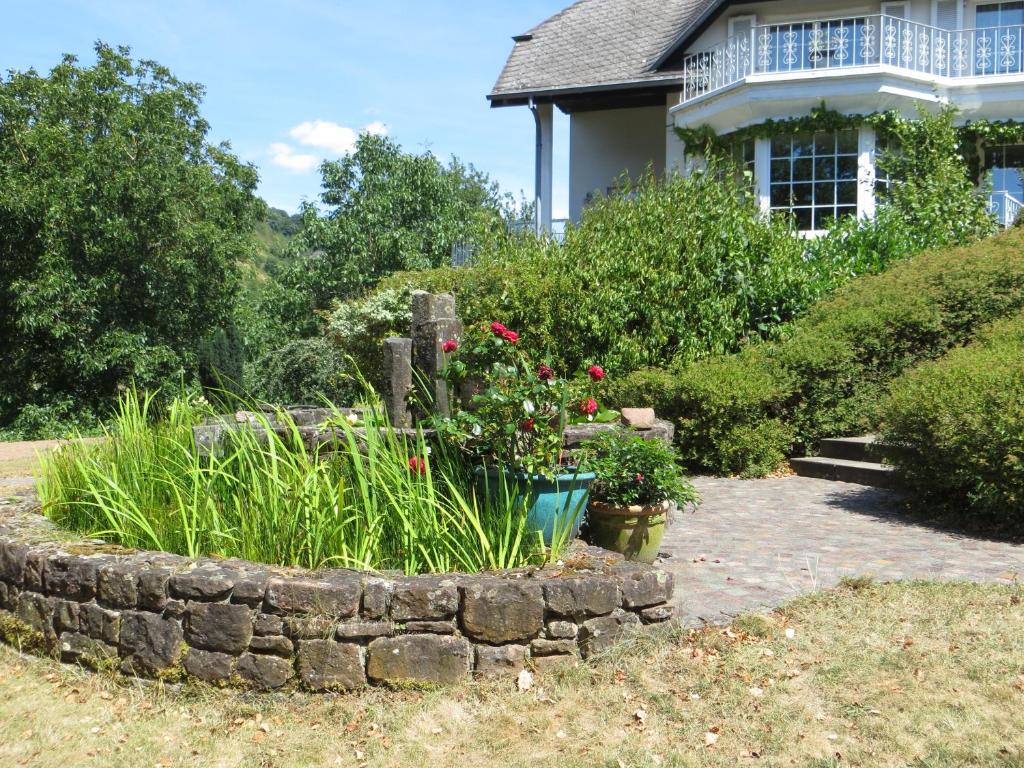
{"x":920,"y":675}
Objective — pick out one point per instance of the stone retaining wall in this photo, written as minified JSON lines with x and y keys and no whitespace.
{"x":233,"y":622}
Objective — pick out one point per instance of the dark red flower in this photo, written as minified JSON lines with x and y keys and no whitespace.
{"x":450,"y":346}
{"x":639,"y":477}
{"x":527,"y":425}
{"x":418,"y":465}
{"x":596,"y":372}
{"x":510,"y":336}
{"x":588,"y":407}
{"x":545,"y":373}
{"x":498,"y":329}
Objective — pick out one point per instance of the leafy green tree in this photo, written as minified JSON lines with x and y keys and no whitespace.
{"x":120,"y":230}
{"x":387,"y":210}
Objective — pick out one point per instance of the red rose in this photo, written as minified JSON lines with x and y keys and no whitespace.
{"x":596,"y":372}
{"x":510,"y":336}
{"x":545,"y":373}
{"x":639,"y":477}
{"x":588,"y":407}
{"x":418,"y":465}
{"x":527,"y":425}
{"x":498,"y":329}
{"x":450,"y":346}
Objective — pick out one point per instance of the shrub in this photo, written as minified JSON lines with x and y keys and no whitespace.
{"x":629,"y":470}
{"x":826,"y":375}
{"x":356,"y":328}
{"x":957,"y":428}
{"x":306,"y":371}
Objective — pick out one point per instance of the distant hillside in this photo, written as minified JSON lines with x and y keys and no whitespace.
{"x":273,"y":236}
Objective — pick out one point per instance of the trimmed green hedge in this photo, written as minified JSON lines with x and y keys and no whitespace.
{"x":957,"y":428}
{"x":742,"y":413}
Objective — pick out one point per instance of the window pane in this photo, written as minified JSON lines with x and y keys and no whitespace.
{"x":842,"y":211}
{"x":847,"y":168}
{"x":803,"y":218}
{"x":780,"y":170}
{"x":824,"y":194}
{"x":824,"y":144}
{"x":846,"y":192}
{"x":803,"y":194}
{"x":803,"y":145}
{"x":846,"y":143}
{"x":803,"y":169}
{"x":824,"y":168}
{"x":824,"y":217}
{"x":987,"y":15}
{"x":780,"y":195}
{"x":780,"y":146}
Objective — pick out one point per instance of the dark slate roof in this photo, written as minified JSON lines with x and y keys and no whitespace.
{"x":599,"y":44}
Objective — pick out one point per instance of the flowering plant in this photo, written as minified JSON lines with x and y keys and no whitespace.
{"x":514,"y":410}
{"x":630,"y":470}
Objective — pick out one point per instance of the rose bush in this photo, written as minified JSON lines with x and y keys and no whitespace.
{"x":513,"y":411}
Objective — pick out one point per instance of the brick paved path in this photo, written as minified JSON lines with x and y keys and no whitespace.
{"x":754,"y":544}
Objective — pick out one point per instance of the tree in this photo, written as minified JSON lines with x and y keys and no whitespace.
{"x":387,"y":211}
{"x":120,"y":230}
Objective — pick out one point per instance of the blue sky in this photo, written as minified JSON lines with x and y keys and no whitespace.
{"x":288,"y":82}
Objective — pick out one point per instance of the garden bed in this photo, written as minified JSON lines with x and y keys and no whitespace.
{"x":232,"y":622}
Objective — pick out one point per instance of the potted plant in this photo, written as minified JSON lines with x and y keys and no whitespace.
{"x":636,"y":481}
{"x":512,"y":421}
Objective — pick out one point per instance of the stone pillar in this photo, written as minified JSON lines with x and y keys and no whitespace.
{"x":398,"y":381}
{"x":433,"y":323}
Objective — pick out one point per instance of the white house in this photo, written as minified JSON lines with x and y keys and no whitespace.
{"x":627,"y":72}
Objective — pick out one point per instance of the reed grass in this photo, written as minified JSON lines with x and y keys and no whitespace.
{"x":264,"y":496}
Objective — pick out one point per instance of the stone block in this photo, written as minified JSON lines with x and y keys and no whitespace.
{"x":149,"y":643}
{"x":582,"y":597}
{"x":175,"y":609}
{"x":561,"y":630}
{"x":36,"y":611}
{"x":424,"y":598}
{"x":541,"y":647}
{"x":419,"y":658}
{"x":206,"y":583}
{"x":264,"y":673}
{"x":209,"y":666}
{"x":327,"y":665}
{"x":218,"y":627}
{"x":66,"y":615}
{"x":35,"y":563}
{"x":500,"y":661}
{"x":362,"y":630}
{"x":12,"y":562}
{"x":600,"y":634}
{"x":497,"y":612}
{"x":376,"y":598}
{"x":5,"y":595}
{"x":430,"y":627}
{"x":309,"y":627}
{"x":656,"y":613}
{"x":643,"y":586}
{"x":76,"y":648}
{"x":275,"y":645}
{"x":398,"y":380}
{"x":70,"y":576}
{"x":337,"y":596}
{"x":152,"y":588}
{"x":267,"y":624}
{"x":117,"y":584}
{"x":250,"y":589}
{"x":545,"y":664}
{"x":638,"y":418}
{"x":99,"y":623}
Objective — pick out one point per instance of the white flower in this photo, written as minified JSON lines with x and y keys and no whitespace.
{"x":529,"y":407}
{"x":477,"y":430}
{"x":352,"y":419}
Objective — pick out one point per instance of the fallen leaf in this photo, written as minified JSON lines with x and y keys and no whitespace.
{"x":755,"y":691}
{"x":525,"y":680}
{"x":790,"y":633}
{"x":710,"y":738}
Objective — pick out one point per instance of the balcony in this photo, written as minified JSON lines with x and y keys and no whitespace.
{"x":862,"y":44}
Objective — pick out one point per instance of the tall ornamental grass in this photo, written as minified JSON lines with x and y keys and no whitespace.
{"x":372,"y":498}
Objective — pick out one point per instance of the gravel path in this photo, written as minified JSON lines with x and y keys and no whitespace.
{"x":754,"y":544}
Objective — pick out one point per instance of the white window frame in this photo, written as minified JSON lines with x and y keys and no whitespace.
{"x":904,"y":4}
{"x":751,"y":17}
{"x":935,"y":13}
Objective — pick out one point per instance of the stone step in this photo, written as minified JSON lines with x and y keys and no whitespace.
{"x":845,"y":470}
{"x":863,"y":448}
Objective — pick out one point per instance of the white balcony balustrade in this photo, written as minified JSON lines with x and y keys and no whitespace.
{"x":873,"y":41}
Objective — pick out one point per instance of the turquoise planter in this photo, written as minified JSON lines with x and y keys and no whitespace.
{"x":552,"y":503}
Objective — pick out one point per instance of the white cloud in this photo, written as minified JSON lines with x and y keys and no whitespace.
{"x":283,"y":155}
{"x":330,"y":138}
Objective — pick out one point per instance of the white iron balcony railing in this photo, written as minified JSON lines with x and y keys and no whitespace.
{"x":1005,"y":207}
{"x":863,"y":41}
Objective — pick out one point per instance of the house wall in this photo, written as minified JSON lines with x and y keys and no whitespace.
{"x":604,"y":144}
